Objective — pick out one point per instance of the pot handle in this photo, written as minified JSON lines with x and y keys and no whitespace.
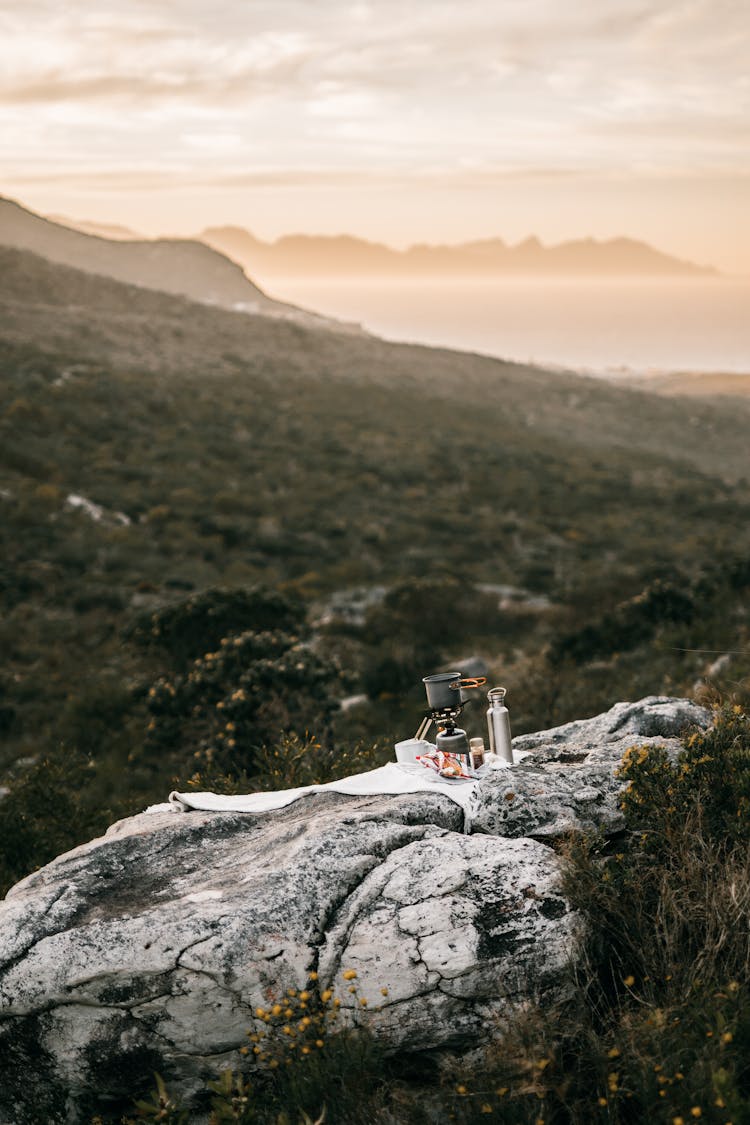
{"x":468,"y":682}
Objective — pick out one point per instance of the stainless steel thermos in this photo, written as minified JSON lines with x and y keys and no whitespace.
{"x":498,"y":725}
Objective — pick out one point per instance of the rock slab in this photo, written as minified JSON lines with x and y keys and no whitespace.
{"x":150,"y":948}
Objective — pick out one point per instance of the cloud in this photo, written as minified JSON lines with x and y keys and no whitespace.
{"x":172,"y":181}
{"x":186,"y":85}
{"x":352,"y":87}
{"x":293,"y":45}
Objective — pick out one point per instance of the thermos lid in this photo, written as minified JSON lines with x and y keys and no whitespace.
{"x":497,"y":695}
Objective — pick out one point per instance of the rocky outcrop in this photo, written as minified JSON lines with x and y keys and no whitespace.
{"x":566,"y":780}
{"x":150,"y":948}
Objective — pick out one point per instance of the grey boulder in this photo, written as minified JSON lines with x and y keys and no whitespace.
{"x":150,"y":948}
{"x":566,"y":780}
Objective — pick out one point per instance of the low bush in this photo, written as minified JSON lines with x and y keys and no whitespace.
{"x":317,"y":1066}
{"x":629,"y":624}
{"x":48,"y":810}
{"x":251,"y":690}
{"x":295,"y":760}
{"x":191,"y":626}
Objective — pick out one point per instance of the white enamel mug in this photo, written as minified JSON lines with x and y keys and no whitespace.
{"x":408,"y":750}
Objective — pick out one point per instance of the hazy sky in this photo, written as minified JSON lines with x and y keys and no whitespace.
{"x":394,"y":120}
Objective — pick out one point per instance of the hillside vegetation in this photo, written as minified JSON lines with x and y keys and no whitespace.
{"x":152,"y":449}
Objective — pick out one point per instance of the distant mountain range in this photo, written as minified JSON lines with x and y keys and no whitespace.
{"x":306,"y":254}
{"x":300,"y":254}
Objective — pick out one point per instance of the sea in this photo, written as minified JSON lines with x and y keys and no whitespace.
{"x":605,"y":327}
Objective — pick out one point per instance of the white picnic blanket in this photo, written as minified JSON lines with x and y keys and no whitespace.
{"x":391,"y":779}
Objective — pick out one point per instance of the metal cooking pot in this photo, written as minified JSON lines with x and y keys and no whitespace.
{"x":449,"y":690}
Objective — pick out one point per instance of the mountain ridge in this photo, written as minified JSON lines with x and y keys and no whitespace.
{"x":295,"y":254}
{"x":114,"y":231}
{"x":181,"y":266}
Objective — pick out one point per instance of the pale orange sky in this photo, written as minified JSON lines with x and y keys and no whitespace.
{"x":421,"y":121}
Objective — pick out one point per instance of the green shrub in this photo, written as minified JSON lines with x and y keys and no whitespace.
{"x":47,"y":812}
{"x":294,"y":760}
{"x":631,"y":623}
{"x":307,"y":1067}
{"x":248,"y":692}
{"x":708,"y":784}
{"x":196,"y":624}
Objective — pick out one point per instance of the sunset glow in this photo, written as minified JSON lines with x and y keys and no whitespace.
{"x":430,"y":121}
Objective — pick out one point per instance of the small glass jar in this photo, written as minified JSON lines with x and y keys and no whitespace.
{"x":476,"y":753}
